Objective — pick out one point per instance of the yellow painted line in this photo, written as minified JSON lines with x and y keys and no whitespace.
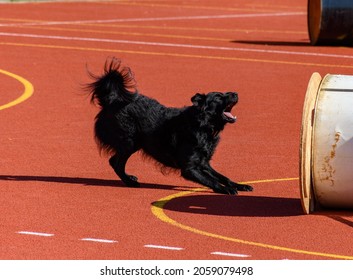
{"x":188,"y":28}
{"x":224,"y":58}
{"x":165,"y":4}
{"x":20,"y":20}
{"x":157,"y":209}
{"x":198,"y":7}
{"x":28,"y":90}
{"x":129,"y":33}
{"x":271,"y":180}
{"x":144,"y":26}
{"x":275,"y":6}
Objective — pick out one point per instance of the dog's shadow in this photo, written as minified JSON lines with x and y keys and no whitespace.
{"x":81,"y":181}
{"x":240,"y":205}
{"x":198,"y":203}
{"x":249,"y":206}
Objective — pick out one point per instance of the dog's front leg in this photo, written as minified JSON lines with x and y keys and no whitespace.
{"x":227,"y":182}
{"x":196,"y":174}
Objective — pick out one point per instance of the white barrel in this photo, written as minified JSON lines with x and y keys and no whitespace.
{"x":327,"y":143}
{"x":332,"y":146}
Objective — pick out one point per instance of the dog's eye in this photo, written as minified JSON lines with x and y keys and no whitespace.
{"x":218,"y":97}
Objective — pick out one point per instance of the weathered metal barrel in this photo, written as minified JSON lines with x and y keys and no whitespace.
{"x":326,"y":147}
{"x":330,"y":22}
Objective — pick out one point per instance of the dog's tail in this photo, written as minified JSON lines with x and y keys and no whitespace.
{"x":116,"y":87}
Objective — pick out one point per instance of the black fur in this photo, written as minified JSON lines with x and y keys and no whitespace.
{"x":178,"y":138}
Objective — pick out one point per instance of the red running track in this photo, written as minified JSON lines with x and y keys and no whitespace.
{"x":59,"y":197}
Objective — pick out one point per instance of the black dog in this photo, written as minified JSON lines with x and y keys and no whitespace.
{"x":178,"y":138}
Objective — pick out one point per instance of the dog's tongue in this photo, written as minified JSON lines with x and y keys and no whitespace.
{"x":229,"y":115}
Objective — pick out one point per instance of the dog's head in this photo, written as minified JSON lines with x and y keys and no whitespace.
{"x":216,"y":106}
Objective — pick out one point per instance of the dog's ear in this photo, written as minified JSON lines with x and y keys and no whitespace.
{"x":199,"y":100}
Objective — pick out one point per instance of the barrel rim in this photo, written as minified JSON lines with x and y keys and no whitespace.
{"x":314,"y":20}
{"x":306,"y":188}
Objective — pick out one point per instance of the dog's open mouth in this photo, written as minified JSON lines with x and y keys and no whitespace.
{"x":227,"y":115}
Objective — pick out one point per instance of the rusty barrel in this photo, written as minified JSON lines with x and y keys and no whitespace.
{"x":326,"y":146}
{"x":330,"y":22}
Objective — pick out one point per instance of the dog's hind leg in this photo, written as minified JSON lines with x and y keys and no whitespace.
{"x":118,"y":163}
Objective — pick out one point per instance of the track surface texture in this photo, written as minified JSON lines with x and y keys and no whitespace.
{"x":61,"y":200}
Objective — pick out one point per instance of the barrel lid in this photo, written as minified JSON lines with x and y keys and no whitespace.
{"x":306,"y":189}
{"x":314,"y":19}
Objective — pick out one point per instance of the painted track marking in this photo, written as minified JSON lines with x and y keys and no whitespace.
{"x":98,"y":240}
{"x":198,"y":7}
{"x":224,"y":58}
{"x":163,"y":247}
{"x":230,"y":255}
{"x":150,"y":246}
{"x":36,"y":233}
{"x":153,"y":19}
{"x":157,"y":209}
{"x":159,"y":27}
{"x":154,"y":35}
{"x":28,"y":90}
{"x":173,"y":45}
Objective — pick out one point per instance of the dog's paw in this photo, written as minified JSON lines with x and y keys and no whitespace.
{"x":131,"y":181}
{"x":244,"y":188}
{"x":133,"y":178}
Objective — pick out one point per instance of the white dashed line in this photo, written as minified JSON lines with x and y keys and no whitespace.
{"x":99,"y":240}
{"x":36,"y":233}
{"x":164,"y":247}
{"x":230,"y":255}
